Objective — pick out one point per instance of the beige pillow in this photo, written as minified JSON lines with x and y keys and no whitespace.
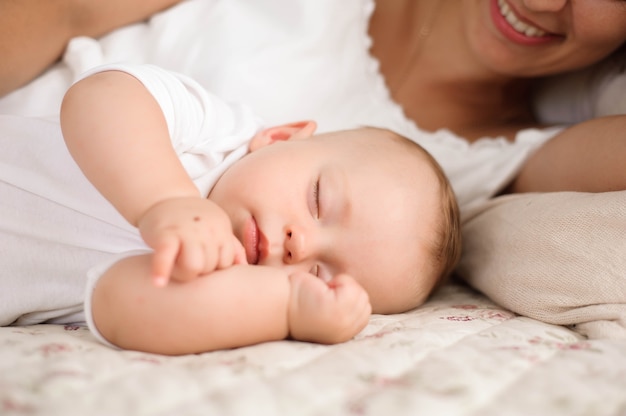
{"x":556,"y":257}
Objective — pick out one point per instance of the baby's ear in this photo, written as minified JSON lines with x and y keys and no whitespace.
{"x":291,"y":131}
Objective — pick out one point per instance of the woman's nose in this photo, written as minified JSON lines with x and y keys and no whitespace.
{"x":300,"y":244}
{"x":545,"y":5}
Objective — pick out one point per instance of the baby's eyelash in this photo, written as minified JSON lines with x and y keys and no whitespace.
{"x":316,"y":197}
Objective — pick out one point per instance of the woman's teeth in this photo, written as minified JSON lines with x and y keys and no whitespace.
{"x":517,"y":24}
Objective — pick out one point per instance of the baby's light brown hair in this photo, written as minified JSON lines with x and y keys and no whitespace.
{"x":445,"y":245}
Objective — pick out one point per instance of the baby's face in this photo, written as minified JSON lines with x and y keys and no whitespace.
{"x":328,"y":204}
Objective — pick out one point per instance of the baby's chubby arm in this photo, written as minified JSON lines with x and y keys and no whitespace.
{"x":238,"y":306}
{"x":117,"y":134}
{"x":234,"y":307}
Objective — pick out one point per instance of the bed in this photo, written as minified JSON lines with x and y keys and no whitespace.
{"x":461,"y":353}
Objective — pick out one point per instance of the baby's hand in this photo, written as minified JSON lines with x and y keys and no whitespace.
{"x":327,"y":313}
{"x":190,"y":237}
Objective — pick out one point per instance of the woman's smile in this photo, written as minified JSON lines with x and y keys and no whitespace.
{"x":515,"y":28}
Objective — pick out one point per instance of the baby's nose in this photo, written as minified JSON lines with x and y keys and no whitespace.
{"x":299,"y":245}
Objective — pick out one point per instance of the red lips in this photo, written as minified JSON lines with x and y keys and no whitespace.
{"x":511,"y":34}
{"x":251,"y":239}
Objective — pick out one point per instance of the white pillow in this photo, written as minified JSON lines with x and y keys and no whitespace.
{"x":556,"y":257}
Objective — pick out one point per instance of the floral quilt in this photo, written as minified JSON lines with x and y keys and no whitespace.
{"x":459,"y":354}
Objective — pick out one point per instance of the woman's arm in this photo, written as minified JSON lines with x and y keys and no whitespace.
{"x":34,"y":33}
{"x":587,"y":157}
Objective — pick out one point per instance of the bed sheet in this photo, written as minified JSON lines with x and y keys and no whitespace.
{"x":459,"y":354}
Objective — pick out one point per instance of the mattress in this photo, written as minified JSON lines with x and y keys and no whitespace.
{"x":459,"y":354}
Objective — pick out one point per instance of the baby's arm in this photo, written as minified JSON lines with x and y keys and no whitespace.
{"x":117,"y":134}
{"x":234,"y":307}
{"x":238,"y":306}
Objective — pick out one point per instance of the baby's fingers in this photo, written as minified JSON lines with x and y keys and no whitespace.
{"x":232,"y":253}
{"x":163,"y":260}
{"x":240,"y":252}
{"x":349,"y":292}
{"x":194,"y":260}
{"x":345,"y":284}
{"x":353,"y":303}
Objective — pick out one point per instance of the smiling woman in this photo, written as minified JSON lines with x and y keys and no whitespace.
{"x":476,"y":59}
{"x":470,"y":67}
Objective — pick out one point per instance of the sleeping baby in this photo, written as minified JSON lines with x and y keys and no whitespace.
{"x":171,"y":222}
